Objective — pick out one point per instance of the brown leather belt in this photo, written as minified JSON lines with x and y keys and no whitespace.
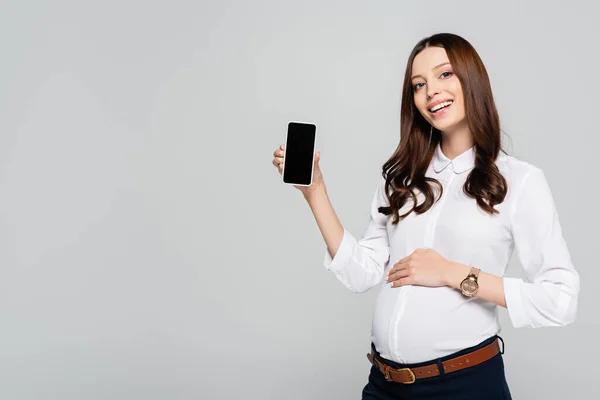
{"x":410,"y":375}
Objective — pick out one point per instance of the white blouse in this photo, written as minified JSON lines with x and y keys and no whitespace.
{"x":416,"y":323}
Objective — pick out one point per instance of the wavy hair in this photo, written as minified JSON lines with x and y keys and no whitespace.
{"x":404,"y":171}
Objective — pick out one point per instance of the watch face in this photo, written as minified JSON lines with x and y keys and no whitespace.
{"x":469,"y":285}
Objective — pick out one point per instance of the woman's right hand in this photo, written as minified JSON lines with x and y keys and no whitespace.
{"x":317,"y":182}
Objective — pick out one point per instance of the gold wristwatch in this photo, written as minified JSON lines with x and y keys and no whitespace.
{"x":469,"y":286}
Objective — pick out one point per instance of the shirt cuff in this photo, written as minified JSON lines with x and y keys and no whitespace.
{"x":343,"y":254}
{"x":514,"y":302}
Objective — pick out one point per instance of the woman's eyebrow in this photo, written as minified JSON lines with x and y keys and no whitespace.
{"x":437,"y":66}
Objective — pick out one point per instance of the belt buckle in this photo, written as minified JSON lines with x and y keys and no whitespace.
{"x":386,"y":373}
{"x":411,"y":373}
{"x":388,"y":378}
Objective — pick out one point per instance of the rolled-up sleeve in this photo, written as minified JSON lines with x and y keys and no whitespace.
{"x":548,"y":294}
{"x":359,"y":264}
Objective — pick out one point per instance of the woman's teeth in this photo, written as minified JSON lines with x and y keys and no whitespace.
{"x":439,"y":106}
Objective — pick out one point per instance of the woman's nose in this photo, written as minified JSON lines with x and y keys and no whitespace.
{"x":432,"y":91}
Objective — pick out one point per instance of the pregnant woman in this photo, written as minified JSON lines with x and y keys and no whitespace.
{"x":449,"y":210}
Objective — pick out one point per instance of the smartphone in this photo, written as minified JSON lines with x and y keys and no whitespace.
{"x":299,"y":153}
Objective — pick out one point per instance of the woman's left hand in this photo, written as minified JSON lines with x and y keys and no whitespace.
{"x":424,"y":267}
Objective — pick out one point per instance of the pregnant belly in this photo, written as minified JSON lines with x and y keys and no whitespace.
{"x":418,"y":320}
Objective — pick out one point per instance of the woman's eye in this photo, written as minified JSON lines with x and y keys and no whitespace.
{"x":417,"y":86}
{"x":446,"y":74}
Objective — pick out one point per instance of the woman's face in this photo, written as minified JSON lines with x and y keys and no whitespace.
{"x":437,"y":90}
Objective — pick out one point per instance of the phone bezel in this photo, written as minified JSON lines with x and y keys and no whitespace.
{"x":312,"y":171}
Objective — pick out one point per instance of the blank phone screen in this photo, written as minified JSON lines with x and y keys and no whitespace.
{"x":299,"y":151}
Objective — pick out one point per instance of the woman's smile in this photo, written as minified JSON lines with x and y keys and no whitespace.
{"x":440,"y":108}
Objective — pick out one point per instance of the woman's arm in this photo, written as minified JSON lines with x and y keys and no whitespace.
{"x":327,"y":220}
{"x":491,"y":287}
{"x":548,"y":294}
{"x":358,"y":264}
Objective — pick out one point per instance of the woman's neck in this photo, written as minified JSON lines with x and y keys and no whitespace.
{"x":456,"y":142}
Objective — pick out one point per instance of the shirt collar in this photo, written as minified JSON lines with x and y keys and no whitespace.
{"x":460,"y":163}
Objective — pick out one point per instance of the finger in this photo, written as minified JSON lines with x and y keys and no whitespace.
{"x":278,"y":153}
{"x":400,"y":282}
{"x":398,"y":268}
{"x":404,"y":263}
{"x":398,"y":275}
{"x":400,"y":264}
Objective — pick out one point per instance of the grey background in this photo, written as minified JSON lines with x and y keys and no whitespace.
{"x":148,"y":249}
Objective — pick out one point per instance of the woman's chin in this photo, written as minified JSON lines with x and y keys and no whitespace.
{"x":449,"y":126}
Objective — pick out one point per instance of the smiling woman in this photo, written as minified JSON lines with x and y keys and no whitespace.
{"x":432,"y":110}
{"x":448,"y":212}
{"x":434,"y":103}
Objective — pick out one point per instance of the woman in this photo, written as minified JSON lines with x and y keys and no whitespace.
{"x":448,"y":212}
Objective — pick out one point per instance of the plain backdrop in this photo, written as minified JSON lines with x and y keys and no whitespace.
{"x":148,"y":249}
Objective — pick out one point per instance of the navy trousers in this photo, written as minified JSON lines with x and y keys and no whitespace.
{"x":483,"y":381}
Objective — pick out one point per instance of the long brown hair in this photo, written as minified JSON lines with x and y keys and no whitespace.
{"x":405,"y":170}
